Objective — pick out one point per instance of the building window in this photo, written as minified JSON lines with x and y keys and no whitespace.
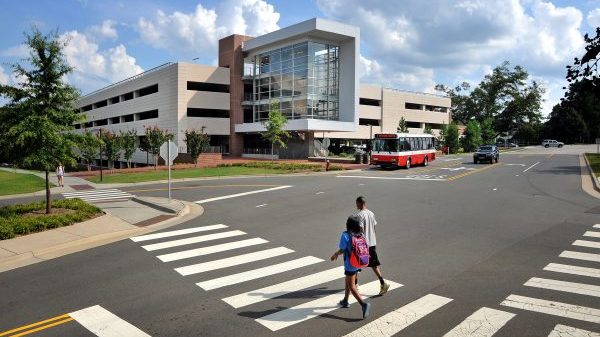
{"x":100,"y":104}
{"x":203,"y":86}
{"x":128,"y":96}
{"x":148,"y":114}
{"x":128,"y":118}
{"x":414,"y":125}
{"x":87,"y":108}
{"x":149,"y":90}
{"x":413,"y":106}
{"x":210,"y":113}
{"x":115,"y":100}
{"x":115,"y":120}
{"x":436,"y":108}
{"x":366,"y":121}
{"x":77,"y":126}
{"x":89,"y":124}
{"x":369,"y":101}
{"x":102,"y":122}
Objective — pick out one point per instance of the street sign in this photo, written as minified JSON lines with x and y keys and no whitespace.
{"x":172,"y":152}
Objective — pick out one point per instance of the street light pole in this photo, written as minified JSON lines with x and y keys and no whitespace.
{"x":101,"y":146}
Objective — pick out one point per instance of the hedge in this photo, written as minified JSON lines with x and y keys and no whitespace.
{"x":284,"y":166}
{"x":13,"y":223}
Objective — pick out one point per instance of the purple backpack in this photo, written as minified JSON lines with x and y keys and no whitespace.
{"x":359,"y":254}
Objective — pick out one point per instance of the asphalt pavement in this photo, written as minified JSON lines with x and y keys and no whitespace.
{"x":508,"y":249}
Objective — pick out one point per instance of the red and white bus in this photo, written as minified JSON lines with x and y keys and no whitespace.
{"x":402,"y":149}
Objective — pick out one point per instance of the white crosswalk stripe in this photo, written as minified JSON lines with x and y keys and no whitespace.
{"x":597,"y":226}
{"x":300,"y":313}
{"x":580,"y":256}
{"x":169,"y":234}
{"x":98,"y":195}
{"x":553,"y":308}
{"x":210,"y":249}
{"x":263,"y":294}
{"x":484,"y":322}
{"x":592,"y":234}
{"x":233,"y":261}
{"x":258,"y":273}
{"x":196,"y":239}
{"x":567,"y":331}
{"x":575,"y":270}
{"x":104,"y":323}
{"x":584,"y":243}
{"x":570,"y":287}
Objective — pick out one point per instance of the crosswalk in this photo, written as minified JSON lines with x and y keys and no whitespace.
{"x":99,"y":195}
{"x":180,"y":247}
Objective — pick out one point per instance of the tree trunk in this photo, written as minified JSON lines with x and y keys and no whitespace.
{"x":89,"y":167}
{"x":272,"y":146}
{"x":48,"y":205}
{"x":128,"y":163}
{"x":147,"y":160}
{"x":155,"y":162}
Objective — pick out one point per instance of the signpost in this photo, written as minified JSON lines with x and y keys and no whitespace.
{"x":169,"y":151}
{"x":597,"y":145}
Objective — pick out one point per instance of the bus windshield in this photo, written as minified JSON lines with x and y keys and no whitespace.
{"x":388,"y":145}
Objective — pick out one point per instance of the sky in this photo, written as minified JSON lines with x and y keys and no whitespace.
{"x":405,"y":44}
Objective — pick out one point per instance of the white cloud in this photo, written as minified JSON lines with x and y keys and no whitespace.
{"x":16,"y":51}
{"x":593,"y":18}
{"x":3,"y":77}
{"x":106,"y":30}
{"x":199,"y":31}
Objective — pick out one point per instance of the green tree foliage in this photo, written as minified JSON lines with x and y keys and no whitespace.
{"x":451,"y":138}
{"x":111,"y":147}
{"x":155,"y":138}
{"x":197,"y":141}
{"x":428,"y":130}
{"x":128,"y":141}
{"x":89,"y":145}
{"x":506,"y":96}
{"x":529,"y":133}
{"x":568,"y":124}
{"x":143,"y":146}
{"x":487,"y":131}
{"x":443,"y":131}
{"x":402,"y":128}
{"x":39,"y":113}
{"x":472,"y":137}
{"x":275,"y":132}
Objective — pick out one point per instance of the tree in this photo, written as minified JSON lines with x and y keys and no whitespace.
{"x":443,"y":131}
{"x":143,"y":146}
{"x":487,"y":131}
{"x":451,"y":138}
{"x":402,"y":128}
{"x":128,"y":142}
{"x":428,"y":130}
{"x":275,"y":132}
{"x":111,"y":147}
{"x":40,"y":108}
{"x":89,"y":144}
{"x":196,"y":142}
{"x":472,"y":137}
{"x":568,"y":123}
{"x":156,"y":137}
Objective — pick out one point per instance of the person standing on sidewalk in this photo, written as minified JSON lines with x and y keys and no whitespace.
{"x":345,"y":248}
{"x":60,"y":173}
{"x":367,"y":224}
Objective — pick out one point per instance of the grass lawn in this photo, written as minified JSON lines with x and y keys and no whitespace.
{"x":17,"y":183}
{"x":594,"y":159}
{"x":185,"y":173}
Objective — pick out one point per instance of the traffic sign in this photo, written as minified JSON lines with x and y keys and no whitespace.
{"x":169,"y":154}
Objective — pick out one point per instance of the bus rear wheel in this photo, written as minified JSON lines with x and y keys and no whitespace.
{"x":408,"y":163}
{"x":425,"y":161}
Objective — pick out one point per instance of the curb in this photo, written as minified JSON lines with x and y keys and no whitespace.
{"x":595,"y":181}
{"x":189,"y":211}
{"x":156,"y":206}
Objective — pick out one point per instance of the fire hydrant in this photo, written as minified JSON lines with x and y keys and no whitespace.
{"x":327,"y":165}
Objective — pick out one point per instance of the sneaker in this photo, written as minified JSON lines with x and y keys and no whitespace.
{"x":384,"y":288}
{"x":366,"y":307}
{"x":344,"y":304}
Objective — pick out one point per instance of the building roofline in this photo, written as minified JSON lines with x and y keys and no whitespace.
{"x":416,"y":92}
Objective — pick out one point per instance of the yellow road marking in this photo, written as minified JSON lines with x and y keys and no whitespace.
{"x":470,"y":172}
{"x":427,"y":169}
{"x":192,"y":187}
{"x":62,"y":319}
{"x":550,"y":156}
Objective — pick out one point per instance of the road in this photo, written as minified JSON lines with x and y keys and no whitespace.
{"x":468,"y":247}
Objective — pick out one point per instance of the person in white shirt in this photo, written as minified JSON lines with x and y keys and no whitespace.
{"x":60,"y":173}
{"x":368,"y":223}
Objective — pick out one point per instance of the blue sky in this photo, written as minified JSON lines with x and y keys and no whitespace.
{"x":406,"y":44}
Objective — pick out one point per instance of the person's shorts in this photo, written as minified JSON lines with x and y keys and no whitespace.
{"x":351,"y":273}
{"x":373,"y":259}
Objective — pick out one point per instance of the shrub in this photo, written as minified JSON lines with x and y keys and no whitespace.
{"x":6,"y":231}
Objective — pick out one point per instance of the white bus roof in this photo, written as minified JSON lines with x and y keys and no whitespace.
{"x":400,"y":135}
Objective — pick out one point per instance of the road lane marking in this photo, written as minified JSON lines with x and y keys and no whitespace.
{"x":453,"y":169}
{"x":592,"y":234}
{"x":575,"y":270}
{"x":462,"y":175}
{"x":300,"y":313}
{"x":567,"y":331}
{"x":261,"y":205}
{"x":530,"y":167}
{"x":584,"y":243}
{"x":319,"y":192}
{"x":580,"y":256}
{"x":597,"y":226}
{"x":195,"y":239}
{"x":550,"y":156}
{"x":176,"y":233}
{"x":104,"y":323}
{"x":194,"y":187}
{"x":515,"y":165}
{"x":210,"y":249}
{"x":399,"y":319}
{"x":258,"y":273}
{"x":93,"y":192}
{"x":393,"y":178}
{"x":263,"y":294}
{"x":484,"y":322}
{"x":569,"y":287}
{"x":41,"y":325}
{"x":241,"y":194}
{"x":232,"y":261}
{"x":553,"y":308}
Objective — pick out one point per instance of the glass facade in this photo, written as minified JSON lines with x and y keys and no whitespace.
{"x":303,"y":79}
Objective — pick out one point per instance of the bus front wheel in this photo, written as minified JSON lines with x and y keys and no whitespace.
{"x":408,"y":163}
{"x":425,"y":161}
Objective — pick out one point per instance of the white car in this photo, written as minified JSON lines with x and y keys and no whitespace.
{"x":552,"y":143}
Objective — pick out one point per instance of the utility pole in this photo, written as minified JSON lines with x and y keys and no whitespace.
{"x":101,"y":147}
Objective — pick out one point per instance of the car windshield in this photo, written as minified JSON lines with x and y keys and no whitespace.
{"x":485,"y":148}
{"x":390,"y":145}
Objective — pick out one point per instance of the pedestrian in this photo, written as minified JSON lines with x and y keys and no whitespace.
{"x":60,"y":172}
{"x":350,"y":271}
{"x":367,"y":225}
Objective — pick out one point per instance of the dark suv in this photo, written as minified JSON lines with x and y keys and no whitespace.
{"x":486,"y":153}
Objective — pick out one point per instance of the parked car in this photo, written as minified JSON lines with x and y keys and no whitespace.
{"x":486,"y":153}
{"x":552,"y":143}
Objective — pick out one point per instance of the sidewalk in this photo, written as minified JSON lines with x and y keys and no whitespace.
{"x":122,"y":219}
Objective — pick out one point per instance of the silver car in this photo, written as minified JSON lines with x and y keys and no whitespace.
{"x":552,"y":143}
